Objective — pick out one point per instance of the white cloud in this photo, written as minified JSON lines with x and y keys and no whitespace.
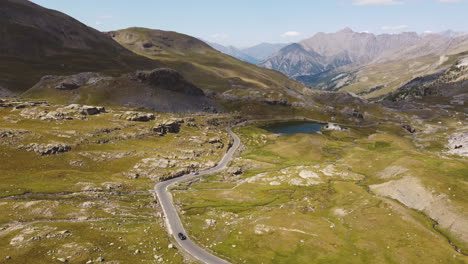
{"x":377,"y":2}
{"x":395,"y":28}
{"x":290,"y":34}
{"x":98,"y":23}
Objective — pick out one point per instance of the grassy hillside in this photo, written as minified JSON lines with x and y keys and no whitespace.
{"x":206,"y":67}
{"x":335,"y":197}
{"x":380,"y":79}
{"x":35,"y":41}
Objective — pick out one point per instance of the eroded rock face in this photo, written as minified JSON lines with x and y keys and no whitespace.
{"x":168,"y":126}
{"x":138,"y":116}
{"x":74,"y":81}
{"x":411,"y":192}
{"x":46,"y":149}
{"x":167,"y":79}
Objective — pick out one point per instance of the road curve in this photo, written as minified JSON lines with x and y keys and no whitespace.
{"x":173,"y":222}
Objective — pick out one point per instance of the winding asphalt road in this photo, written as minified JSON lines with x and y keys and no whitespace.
{"x":173,"y":222}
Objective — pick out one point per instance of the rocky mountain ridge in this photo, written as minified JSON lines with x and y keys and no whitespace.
{"x":364,"y":63}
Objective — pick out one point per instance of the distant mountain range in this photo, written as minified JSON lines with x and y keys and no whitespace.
{"x":366,"y":63}
{"x":254,"y":55}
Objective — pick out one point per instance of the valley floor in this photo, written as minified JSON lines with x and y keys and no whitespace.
{"x":366,"y":195}
{"x":93,"y":200}
{"x":77,"y":186}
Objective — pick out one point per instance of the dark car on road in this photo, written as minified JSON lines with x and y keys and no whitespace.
{"x":182,"y":236}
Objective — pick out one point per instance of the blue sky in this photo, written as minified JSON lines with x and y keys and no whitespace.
{"x":249,"y":22}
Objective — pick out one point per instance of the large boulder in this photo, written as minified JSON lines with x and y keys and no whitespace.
{"x":138,"y":116}
{"x":409,"y":128}
{"x":168,"y":126}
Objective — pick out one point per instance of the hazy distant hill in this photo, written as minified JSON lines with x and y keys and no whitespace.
{"x":264,"y":50}
{"x":254,"y":54}
{"x":234,"y":52}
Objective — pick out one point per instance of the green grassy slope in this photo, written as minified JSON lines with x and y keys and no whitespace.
{"x":204,"y":66}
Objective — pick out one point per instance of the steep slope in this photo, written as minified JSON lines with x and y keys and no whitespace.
{"x":163,"y":90}
{"x":366,"y":64}
{"x":264,"y":50}
{"x":293,"y":60}
{"x":381,"y":78}
{"x":449,"y":86}
{"x":360,"y":47}
{"x":219,"y":75}
{"x":343,"y":48}
{"x":35,"y":41}
{"x":234,"y":52}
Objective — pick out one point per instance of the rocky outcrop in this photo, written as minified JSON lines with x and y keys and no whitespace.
{"x":458,"y":144}
{"x":276,"y":102}
{"x":22,"y":105}
{"x":87,"y":109}
{"x":175,"y":174}
{"x":167,"y":79}
{"x":138,"y":116}
{"x":74,"y":81}
{"x":168,"y":126}
{"x":13,"y":133}
{"x":46,"y":149}
{"x":235,"y":170}
{"x":162,"y":90}
{"x":5,"y":103}
{"x":55,"y":116}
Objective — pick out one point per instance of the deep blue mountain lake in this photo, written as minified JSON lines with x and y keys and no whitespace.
{"x":293,"y":127}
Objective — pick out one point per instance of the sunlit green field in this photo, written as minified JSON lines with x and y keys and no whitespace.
{"x":314,"y":198}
